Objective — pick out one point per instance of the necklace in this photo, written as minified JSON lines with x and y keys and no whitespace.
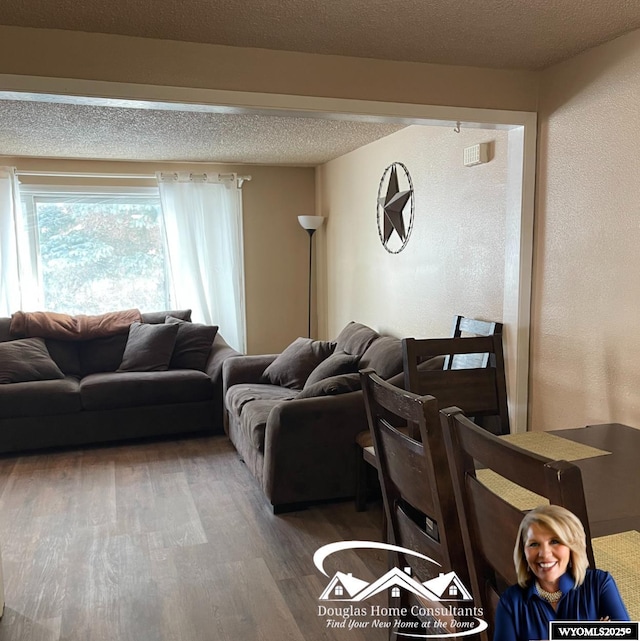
{"x":550,"y":597}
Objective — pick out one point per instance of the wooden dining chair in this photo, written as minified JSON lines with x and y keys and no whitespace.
{"x":417,"y":488}
{"x":482,"y":394}
{"x":489,"y":522}
{"x":473,"y":379}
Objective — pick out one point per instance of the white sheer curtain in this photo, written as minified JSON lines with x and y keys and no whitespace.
{"x":203,"y":225}
{"x":18,"y":282}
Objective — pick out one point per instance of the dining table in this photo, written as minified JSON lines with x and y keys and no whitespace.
{"x":608,"y":456}
{"x":611,"y":480}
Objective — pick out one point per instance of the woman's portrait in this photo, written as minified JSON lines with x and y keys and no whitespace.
{"x":554,"y":580}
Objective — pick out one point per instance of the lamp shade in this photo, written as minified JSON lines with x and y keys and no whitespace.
{"x":311,"y":222}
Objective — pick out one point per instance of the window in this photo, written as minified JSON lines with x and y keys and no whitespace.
{"x":339,"y":591}
{"x":395,"y":592}
{"x":96,"y":251}
{"x":453,"y":590}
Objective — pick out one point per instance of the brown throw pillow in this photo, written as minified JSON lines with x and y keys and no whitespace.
{"x":332,"y":386}
{"x":384,"y":355}
{"x":149,"y":348}
{"x":292,"y":367}
{"x":26,"y":360}
{"x":193,"y":344}
{"x":355,"y":338}
{"x":159,"y":317}
{"x":336,"y":364}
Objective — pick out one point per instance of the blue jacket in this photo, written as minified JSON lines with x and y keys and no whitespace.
{"x":523,"y":616}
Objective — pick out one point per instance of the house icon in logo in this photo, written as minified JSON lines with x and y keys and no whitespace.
{"x":343,"y":587}
{"x":448,"y":587}
{"x":346,"y":587}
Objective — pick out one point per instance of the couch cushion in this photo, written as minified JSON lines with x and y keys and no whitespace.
{"x":26,"y":360}
{"x":40,"y":398}
{"x":102,"y":354}
{"x":253,"y":421}
{"x":384,"y":356}
{"x":293,"y":366}
{"x":336,"y":364}
{"x":111,"y":390}
{"x":149,"y":347}
{"x":66,"y":355}
{"x":332,"y":386}
{"x":355,"y":338}
{"x":239,"y":395}
{"x":193,"y":344}
{"x":5,"y":333}
{"x":156,"y":318}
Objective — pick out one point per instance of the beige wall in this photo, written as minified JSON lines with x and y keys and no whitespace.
{"x":586,"y":231}
{"x":66,"y":54}
{"x":454,"y":261}
{"x":275,"y":251}
{"x":586,"y":303}
{"x":275,"y":246}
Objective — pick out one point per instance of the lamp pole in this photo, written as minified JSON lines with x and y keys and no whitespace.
{"x":311,"y":232}
{"x":310,"y":224}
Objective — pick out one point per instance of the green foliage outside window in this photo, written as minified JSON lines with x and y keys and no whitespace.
{"x":97,"y":256}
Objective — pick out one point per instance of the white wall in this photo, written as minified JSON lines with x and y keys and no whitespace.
{"x":454,"y":261}
{"x":586,"y":302}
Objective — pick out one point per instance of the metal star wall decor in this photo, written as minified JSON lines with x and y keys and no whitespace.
{"x":395,"y":208}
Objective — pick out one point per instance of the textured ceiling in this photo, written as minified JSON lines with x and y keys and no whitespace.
{"x":508,"y":34}
{"x":522,"y":34}
{"x":55,"y":130}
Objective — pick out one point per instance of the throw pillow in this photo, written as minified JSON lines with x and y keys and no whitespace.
{"x":149,"y":348}
{"x":435,"y":363}
{"x":193,"y":344}
{"x":159,"y":317}
{"x":336,"y":364}
{"x":332,"y":386}
{"x":384,"y":355}
{"x":25,"y":360}
{"x":355,"y":338}
{"x":292,"y":367}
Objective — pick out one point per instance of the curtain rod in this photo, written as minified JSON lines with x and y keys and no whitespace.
{"x":75,"y":174}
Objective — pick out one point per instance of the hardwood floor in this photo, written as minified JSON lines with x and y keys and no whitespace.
{"x":167,"y":541}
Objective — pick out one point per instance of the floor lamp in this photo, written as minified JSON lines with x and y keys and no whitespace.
{"x":310,"y":223}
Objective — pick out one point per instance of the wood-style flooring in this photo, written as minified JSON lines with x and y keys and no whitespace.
{"x":166,"y":541}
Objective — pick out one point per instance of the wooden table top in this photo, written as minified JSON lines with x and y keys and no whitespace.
{"x":611,"y":482}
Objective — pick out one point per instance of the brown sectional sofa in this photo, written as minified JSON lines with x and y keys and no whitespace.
{"x":300,"y":443}
{"x":94,"y":403}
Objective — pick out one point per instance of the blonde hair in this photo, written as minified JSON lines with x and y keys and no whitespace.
{"x":566,"y":527}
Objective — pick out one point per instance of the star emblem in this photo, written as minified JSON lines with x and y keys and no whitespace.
{"x":392,"y":209}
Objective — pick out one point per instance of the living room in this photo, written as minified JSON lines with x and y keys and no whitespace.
{"x":585,"y":234}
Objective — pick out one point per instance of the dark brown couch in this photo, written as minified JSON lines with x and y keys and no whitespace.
{"x":300,"y":443}
{"x":94,"y":403}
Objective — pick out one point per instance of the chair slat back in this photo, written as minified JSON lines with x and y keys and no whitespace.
{"x":479,"y":391}
{"x":489,"y":523}
{"x":496,"y":522}
{"x":414,"y":476}
{"x":406,"y":468}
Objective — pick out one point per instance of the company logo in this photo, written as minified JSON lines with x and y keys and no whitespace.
{"x":447,"y":605}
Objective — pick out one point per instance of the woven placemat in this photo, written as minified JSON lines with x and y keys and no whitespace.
{"x":544,"y":444}
{"x":619,"y":554}
{"x":553,"y":447}
{"x":512,"y":493}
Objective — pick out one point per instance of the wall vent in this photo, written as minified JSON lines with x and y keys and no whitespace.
{"x":476,"y":154}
